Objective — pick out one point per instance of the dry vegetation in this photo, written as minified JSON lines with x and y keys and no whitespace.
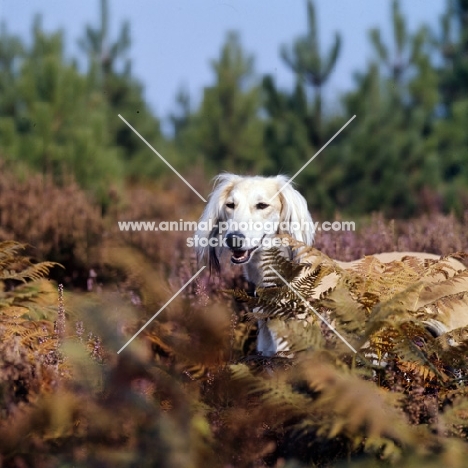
{"x":190,"y":391}
{"x":435,"y":233}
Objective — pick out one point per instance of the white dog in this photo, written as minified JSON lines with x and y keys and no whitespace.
{"x":245,"y":213}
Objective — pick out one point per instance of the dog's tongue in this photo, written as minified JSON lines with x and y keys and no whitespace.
{"x":240,"y":254}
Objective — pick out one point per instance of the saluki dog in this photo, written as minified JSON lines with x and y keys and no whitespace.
{"x":245,"y":214}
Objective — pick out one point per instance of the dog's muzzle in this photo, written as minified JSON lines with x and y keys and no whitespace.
{"x":237,"y":244}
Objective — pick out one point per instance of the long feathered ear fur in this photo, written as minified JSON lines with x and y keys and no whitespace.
{"x":211,"y":216}
{"x":295,"y":213}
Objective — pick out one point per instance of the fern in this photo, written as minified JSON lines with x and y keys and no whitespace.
{"x":389,"y":309}
{"x":16,"y":267}
{"x":185,"y":388}
{"x":346,"y":308}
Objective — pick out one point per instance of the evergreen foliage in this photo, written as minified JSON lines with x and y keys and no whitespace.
{"x":110,"y":74}
{"x":51,"y":121}
{"x":405,"y":150}
{"x":189,"y":391}
{"x":306,"y":60}
{"x":227,"y":130}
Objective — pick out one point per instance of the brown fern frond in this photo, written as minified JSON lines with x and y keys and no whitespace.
{"x":446,"y":267}
{"x":413,"y":348}
{"x":385,"y":279}
{"x":243,"y":296}
{"x":452,"y":348}
{"x":280,"y":302}
{"x":273,"y":258}
{"x":32,"y":272}
{"x":300,"y":335}
{"x":352,"y":406}
{"x":16,"y":267}
{"x":436,"y":290}
{"x":455,"y":417}
{"x":386,"y":312}
{"x":32,"y":334}
{"x":9,"y":250}
{"x":345,"y":308}
{"x":448,"y":311}
{"x":276,"y":394}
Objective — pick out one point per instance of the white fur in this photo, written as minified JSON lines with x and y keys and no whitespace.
{"x":246,"y":193}
{"x":290,"y":206}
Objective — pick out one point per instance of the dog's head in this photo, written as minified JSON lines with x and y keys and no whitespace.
{"x":244,"y":213}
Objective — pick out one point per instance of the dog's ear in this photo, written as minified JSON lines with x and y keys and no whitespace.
{"x":295,"y":213}
{"x":208,"y":224}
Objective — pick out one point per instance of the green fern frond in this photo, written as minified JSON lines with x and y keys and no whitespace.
{"x":38,"y":298}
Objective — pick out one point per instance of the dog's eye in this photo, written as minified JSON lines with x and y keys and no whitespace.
{"x":231,"y":205}
{"x":261,"y":206}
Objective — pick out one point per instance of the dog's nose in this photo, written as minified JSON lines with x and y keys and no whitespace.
{"x":235,"y":240}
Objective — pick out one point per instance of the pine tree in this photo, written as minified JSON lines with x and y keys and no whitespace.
{"x":406,"y":48}
{"x":450,"y":139}
{"x":453,"y":45}
{"x":227,"y":129}
{"x":388,"y":161}
{"x":109,"y":73}
{"x":52,"y":122}
{"x":286,"y":128}
{"x":11,"y":50}
{"x":305,"y":58}
{"x":450,"y":142}
{"x":181,"y":118}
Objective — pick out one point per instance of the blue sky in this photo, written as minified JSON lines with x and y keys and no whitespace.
{"x":174,"y":40}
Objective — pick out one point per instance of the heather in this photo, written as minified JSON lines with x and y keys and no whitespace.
{"x":190,"y":390}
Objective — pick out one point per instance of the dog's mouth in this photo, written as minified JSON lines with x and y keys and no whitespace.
{"x":242,"y":256}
